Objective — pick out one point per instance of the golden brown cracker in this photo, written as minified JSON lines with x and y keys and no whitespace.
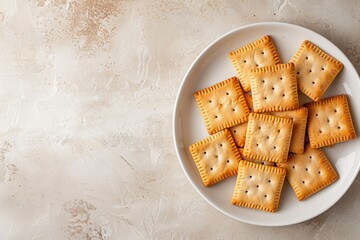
{"x":329,"y":121}
{"x":309,"y":172}
{"x":258,"y":186}
{"x":268,"y":137}
{"x":315,"y":70}
{"x":222,"y":105}
{"x":274,"y":88}
{"x":216,"y":157}
{"x":259,"y":53}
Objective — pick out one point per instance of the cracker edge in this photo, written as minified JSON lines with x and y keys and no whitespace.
{"x":248,"y":98}
{"x":238,"y":143}
{"x":274,"y":119}
{"x":248,"y":47}
{"x":271,"y":169}
{"x":323,"y":55}
{"x":199,"y":94}
{"x":197,"y":160}
{"x":338,"y":139}
{"x":312,"y":191}
{"x":303,"y":127}
{"x":294,"y":87}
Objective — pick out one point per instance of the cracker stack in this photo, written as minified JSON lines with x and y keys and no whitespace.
{"x":260,"y":135}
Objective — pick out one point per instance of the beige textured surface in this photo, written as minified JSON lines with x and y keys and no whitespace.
{"x":87,"y":95}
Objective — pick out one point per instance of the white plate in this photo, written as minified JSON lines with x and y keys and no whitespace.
{"x":213,"y":66}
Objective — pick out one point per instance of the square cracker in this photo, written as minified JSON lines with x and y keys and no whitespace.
{"x":258,"y":186}
{"x":268,"y":138}
{"x":274,"y":88}
{"x":222,"y":105}
{"x":260,"y":53}
{"x":299,"y":117}
{"x":329,"y":121}
{"x":315,"y":70}
{"x":309,"y":172}
{"x":239,"y":131}
{"x":266,"y":163}
{"x":216,"y":157}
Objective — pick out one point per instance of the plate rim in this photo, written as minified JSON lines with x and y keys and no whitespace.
{"x":176,"y":109}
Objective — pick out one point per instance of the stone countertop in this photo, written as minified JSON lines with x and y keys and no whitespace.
{"x":87,"y":97}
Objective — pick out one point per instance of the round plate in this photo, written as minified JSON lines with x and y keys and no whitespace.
{"x":213,"y":66}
